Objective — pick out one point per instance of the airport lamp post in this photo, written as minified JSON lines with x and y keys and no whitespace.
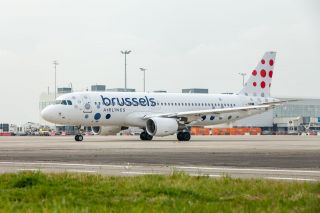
{"x":55,"y":63}
{"x":243,"y":76}
{"x":125,"y":52}
{"x":144,"y":78}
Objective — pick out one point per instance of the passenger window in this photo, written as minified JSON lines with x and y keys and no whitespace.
{"x":69,"y":102}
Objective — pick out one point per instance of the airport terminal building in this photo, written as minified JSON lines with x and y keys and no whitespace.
{"x":292,"y":116}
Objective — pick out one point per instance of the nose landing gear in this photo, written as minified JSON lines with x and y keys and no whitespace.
{"x":79,"y":136}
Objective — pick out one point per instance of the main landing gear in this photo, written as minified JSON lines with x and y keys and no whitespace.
{"x":183,"y":136}
{"x":144,"y":136}
{"x":79,"y":136}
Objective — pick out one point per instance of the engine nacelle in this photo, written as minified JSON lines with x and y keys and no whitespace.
{"x":162,"y":126}
{"x":106,"y":130}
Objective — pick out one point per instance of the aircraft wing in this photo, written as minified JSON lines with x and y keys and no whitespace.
{"x":189,"y":116}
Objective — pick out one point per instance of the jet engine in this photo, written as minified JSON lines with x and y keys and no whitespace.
{"x":106,"y":130}
{"x":162,"y":126}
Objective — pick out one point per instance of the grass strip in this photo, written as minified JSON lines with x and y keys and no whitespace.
{"x":70,"y":192}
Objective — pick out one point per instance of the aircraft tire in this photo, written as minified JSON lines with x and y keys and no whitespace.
{"x":149,"y":137}
{"x":145,"y":136}
{"x":183,"y":136}
{"x":78,"y":138}
{"x":179,"y":136}
{"x":142,"y":136}
{"x":186,"y":136}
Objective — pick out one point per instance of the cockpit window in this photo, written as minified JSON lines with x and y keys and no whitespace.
{"x":64,"y":102}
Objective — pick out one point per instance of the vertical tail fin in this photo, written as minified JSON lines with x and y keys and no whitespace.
{"x":260,"y":79}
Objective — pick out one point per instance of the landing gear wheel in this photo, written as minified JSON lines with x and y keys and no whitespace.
{"x":78,"y":138}
{"x":149,"y":137}
{"x":142,"y":136}
{"x":145,"y":136}
{"x":179,"y":136}
{"x":184,"y":136}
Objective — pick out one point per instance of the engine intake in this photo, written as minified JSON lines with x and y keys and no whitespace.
{"x":162,"y":126}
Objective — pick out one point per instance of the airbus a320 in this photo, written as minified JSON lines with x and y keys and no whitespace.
{"x":164,"y":114}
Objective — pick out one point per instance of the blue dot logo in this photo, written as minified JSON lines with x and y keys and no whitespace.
{"x":97,"y":116}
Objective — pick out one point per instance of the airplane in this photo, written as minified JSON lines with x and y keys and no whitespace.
{"x":164,"y":114}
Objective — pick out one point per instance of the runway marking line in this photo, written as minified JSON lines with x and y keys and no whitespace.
{"x":28,"y":169}
{"x":82,"y":171}
{"x":222,"y":169}
{"x":142,"y":173}
{"x":289,"y":178}
{"x":247,"y":169}
{"x":63,"y":164}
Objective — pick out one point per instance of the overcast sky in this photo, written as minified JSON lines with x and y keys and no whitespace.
{"x":182,"y":43}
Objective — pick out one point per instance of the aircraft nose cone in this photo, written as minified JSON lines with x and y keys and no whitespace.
{"x":46,"y":114}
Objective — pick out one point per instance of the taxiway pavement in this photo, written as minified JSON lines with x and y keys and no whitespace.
{"x":271,"y":157}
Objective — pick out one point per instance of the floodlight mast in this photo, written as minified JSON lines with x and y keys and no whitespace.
{"x":55,"y":63}
{"x":125,"y":52}
{"x":144,"y":78}
{"x":243,"y":76}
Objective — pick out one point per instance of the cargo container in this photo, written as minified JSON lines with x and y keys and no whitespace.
{"x":236,"y":131}
{"x":200,"y":131}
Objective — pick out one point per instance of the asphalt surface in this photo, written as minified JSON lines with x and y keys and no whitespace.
{"x":274,"y":157}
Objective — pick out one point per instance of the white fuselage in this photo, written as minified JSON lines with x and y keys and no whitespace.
{"x":128,"y":109}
